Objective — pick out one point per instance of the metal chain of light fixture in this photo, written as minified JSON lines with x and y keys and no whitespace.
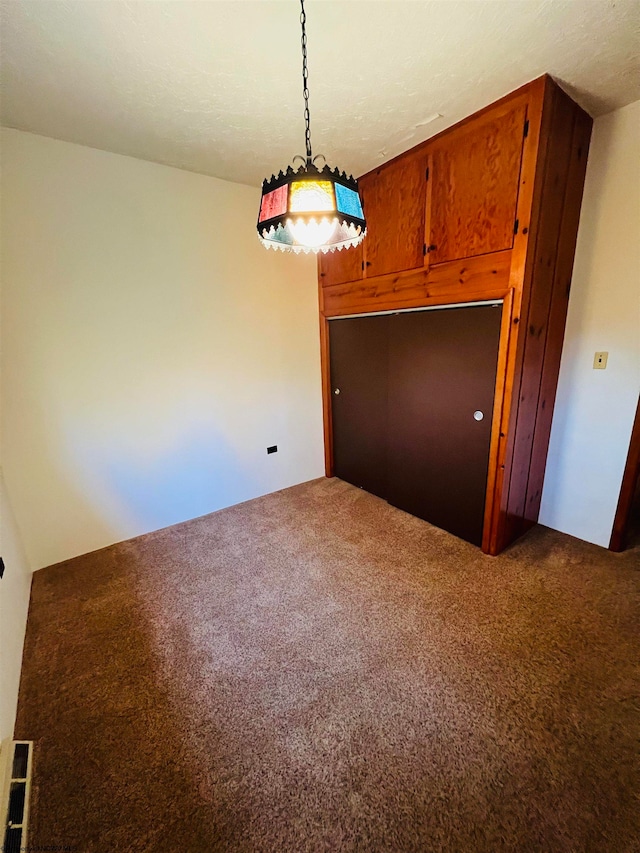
{"x":305,"y":78}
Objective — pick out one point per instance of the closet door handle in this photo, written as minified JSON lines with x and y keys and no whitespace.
{"x":336,"y":391}
{"x":478,"y":415}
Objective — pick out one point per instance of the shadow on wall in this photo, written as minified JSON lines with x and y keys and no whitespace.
{"x":107,"y":485}
{"x":198,"y":474}
{"x":196,"y":478}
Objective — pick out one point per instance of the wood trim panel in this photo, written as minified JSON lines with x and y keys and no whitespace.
{"x":320,"y":284}
{"x":496,"y":470}
{"x":529,"y":200}
{"x":482,"y":277}
{"x":627,"y":489}
{"x":427,"y":213}
{"x":534,"y":330}
{"x":557,"y":315}
{"x":554,"y":218}
{"x":325,"y":378}
{"x":327,"y":416}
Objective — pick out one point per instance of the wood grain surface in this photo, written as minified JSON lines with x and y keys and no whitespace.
{"x":475,"y":187}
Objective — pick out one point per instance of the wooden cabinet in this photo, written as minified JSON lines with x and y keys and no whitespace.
{"x":394,"y":198}
{"x":340,"y":266}
{"x":474,"y":186}
{"x":452,"y":198}
{"x":498,"y":214}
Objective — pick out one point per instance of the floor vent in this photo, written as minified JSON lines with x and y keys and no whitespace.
{"x":16,"y":788}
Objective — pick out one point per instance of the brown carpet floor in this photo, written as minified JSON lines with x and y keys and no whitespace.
{"x":317,"y":671}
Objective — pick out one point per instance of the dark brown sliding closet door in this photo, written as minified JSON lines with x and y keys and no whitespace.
{"x":442,"y":369}
{"x":359,"y":363}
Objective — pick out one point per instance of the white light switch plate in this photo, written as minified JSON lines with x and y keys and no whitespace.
{"x":600,"y":360}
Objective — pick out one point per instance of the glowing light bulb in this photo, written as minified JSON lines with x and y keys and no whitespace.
{"x":313,"y":234}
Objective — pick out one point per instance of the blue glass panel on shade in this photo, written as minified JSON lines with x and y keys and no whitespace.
{"x":348,"y":201}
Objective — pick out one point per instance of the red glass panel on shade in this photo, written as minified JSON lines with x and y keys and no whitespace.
{"x":273,"y":204}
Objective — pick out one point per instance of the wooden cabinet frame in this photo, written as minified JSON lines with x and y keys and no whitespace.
{"x":533,"y":280}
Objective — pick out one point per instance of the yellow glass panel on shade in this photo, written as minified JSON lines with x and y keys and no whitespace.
{"x":313,"y":196}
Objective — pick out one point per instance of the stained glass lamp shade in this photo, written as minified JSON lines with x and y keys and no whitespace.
{"x":311,"y":210}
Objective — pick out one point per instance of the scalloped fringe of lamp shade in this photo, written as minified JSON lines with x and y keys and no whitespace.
{"x":345,"y":236}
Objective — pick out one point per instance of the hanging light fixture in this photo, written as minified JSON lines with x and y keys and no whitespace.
{"x":310,"y":209}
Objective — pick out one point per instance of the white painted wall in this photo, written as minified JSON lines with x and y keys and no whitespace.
{"x":594,"y":409}
{"x":15,"y":587}
{"x":152,"y":348}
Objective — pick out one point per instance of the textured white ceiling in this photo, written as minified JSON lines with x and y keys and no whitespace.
{"x":215,"y":87}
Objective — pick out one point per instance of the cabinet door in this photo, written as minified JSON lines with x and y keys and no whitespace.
{"x":394,"y":201}
{"x":442,"y":371}
{"x":359,"y":358}
{"x":341,"y":266}
{"x":475,"y":178}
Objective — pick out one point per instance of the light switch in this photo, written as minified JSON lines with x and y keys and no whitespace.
{"x":600,"y":360}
